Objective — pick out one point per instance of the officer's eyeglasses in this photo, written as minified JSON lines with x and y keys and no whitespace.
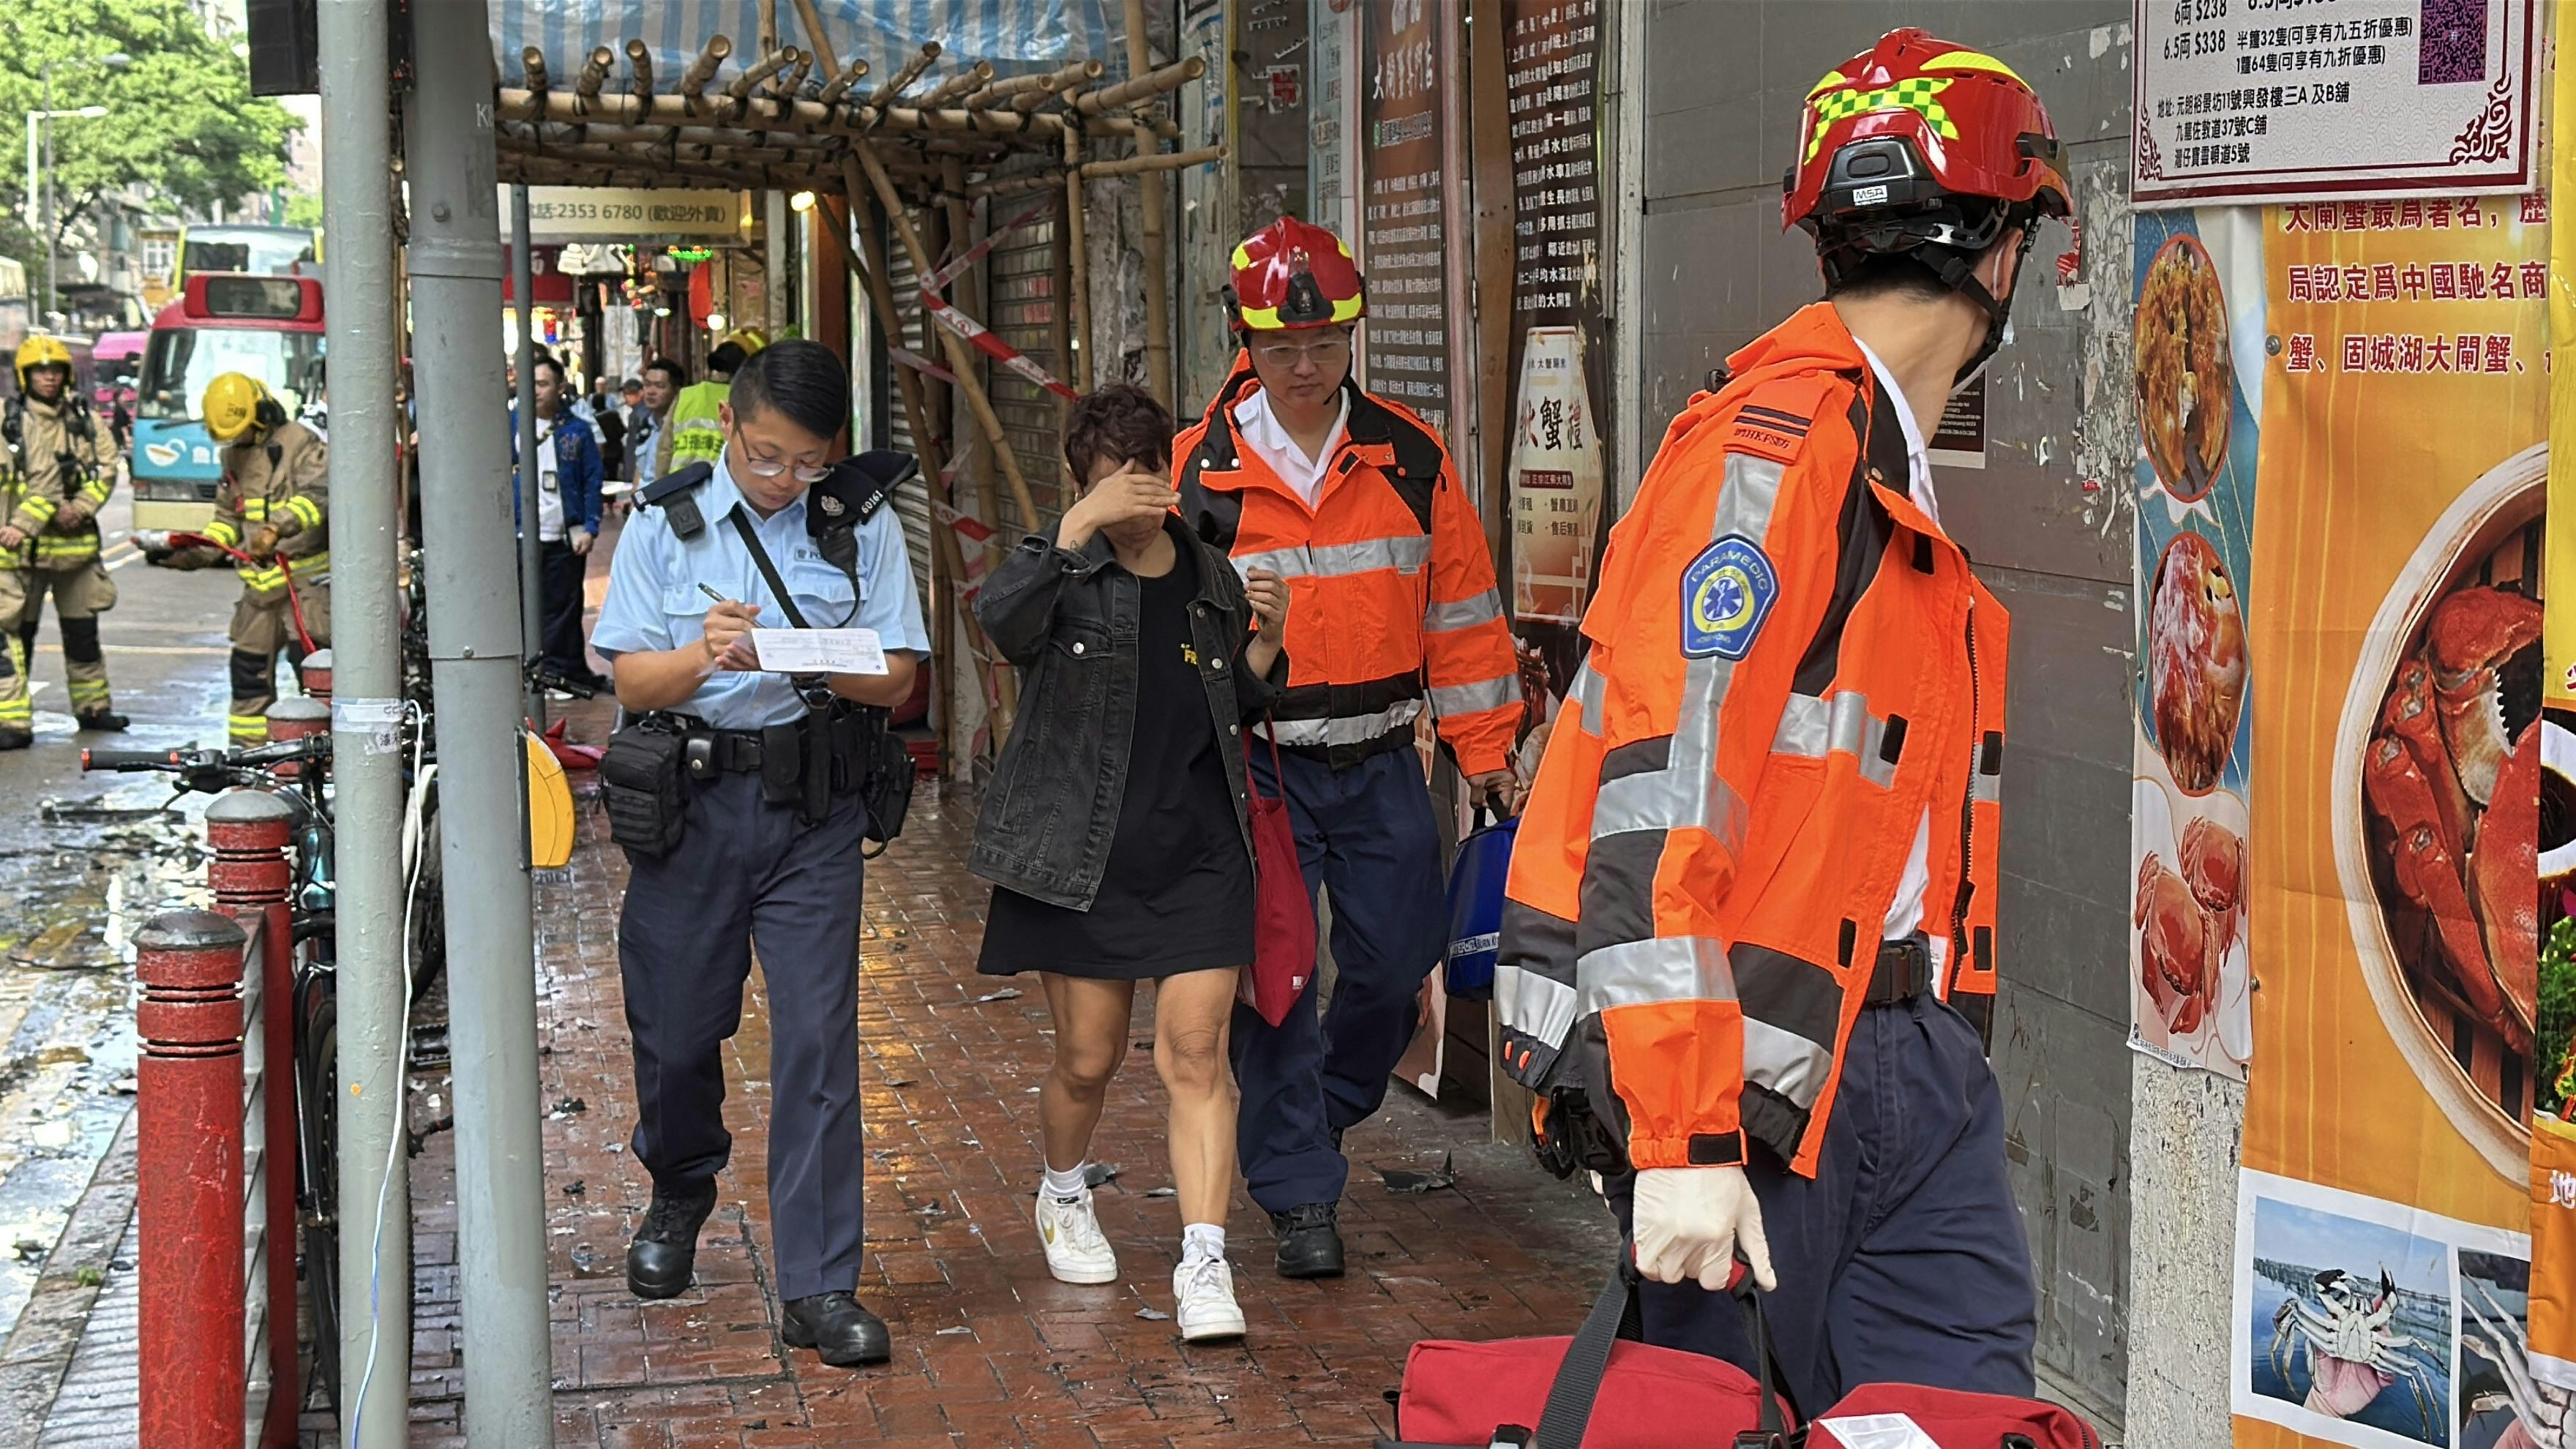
{"x":1323,"y":351}
{"x":760,"y":467}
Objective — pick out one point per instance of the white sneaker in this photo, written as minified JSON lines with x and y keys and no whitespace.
{"x":1204,"y":1289}
{"x":1076,"y":1251}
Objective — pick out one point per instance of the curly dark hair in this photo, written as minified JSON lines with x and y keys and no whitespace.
{"x":1120,"y":423}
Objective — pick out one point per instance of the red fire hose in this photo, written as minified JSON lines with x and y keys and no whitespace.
{"x":294,"y":605}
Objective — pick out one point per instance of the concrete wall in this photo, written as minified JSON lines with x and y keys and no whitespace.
{"x":2044,"y":520}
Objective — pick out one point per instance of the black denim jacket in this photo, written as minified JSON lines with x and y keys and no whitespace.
{"x":1068,"y":622}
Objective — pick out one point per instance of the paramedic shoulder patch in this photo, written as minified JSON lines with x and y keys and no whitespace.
{"x":1773,"y":422}
{"x":1727,"y":593}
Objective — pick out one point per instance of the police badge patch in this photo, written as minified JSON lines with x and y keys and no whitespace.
{"x":1727,"y":593}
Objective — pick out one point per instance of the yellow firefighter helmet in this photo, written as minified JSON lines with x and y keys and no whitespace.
{"x":41,"y":351}
{"x":234,"y":403}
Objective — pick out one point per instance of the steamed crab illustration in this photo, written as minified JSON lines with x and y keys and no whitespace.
{"x":2196,"y":661}
{"x":2544,"y":1415}
{"x":2454,"y":772}
{"x":2186,"y":922}
{"x":2353,"y":1355}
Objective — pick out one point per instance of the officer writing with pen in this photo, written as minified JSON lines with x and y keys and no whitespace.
{"x":738,"y":794}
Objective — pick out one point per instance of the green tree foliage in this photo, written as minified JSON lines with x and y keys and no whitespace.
{"x":2557,"y":1010}
{"x":181,"y":119}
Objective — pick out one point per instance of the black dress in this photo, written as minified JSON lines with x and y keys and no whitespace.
{"x":1176,"y":894}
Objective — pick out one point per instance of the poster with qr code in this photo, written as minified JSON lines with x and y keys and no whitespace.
{"x":2253,"y":101}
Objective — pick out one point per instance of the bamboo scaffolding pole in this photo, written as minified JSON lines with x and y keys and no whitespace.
{"x":1152,"y":161}
{"x":839,"y":85}
{"x":767,"y":11}
{"x":1158,"y":319}
{"x":693,"y":81}
{"x":792,"y":79}
{"x":956,"y":87}
{"x":1081,"y":263}
{"x":1155,"y":126}
{"x":770,"y":115}
{"x":749,"y":80}
{"x":594,"y":72}
{"x":532,"y":62}
{"x":916,"y":409}
{"x":1015,"y":184}
{"x":961,"y":357}
{"x":960,"y":235}
{"x":910,"y":72}
{"x":1041,"y":84}
{"x":819,"y":41}
{"x":1153,"y":83}
{"x":639,"y":60}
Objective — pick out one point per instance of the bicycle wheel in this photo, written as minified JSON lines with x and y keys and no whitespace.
{"x":317,"y":1070}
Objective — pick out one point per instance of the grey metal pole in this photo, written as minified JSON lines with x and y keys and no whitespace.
{"x":532,"y":563}
{"x":773,"y":221}
{"x":46,"y":322}
{"x":366,"y":637}
{"x":474,"y":662}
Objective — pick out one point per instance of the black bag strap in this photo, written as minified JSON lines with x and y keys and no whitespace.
{"x":1614,"y":1316}
{"x":768,"y":571}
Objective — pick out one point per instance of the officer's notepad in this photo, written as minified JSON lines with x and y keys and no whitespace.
{"x":819,"y":651}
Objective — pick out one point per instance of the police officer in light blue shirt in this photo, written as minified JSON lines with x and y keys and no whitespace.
{"x":770,"y":856}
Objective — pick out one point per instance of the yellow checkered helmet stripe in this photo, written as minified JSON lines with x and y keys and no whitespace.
{"x":1832,"y":79}
{"x":1242,"y":257}
{"x":1919,"y":94}
{"x":1974,"y":60}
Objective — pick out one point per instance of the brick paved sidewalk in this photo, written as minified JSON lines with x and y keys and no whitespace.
{"x":988,"y":1349}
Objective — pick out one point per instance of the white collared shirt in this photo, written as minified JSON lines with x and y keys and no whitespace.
{"x":1905,"y":914}
{"x":1268,"y":439}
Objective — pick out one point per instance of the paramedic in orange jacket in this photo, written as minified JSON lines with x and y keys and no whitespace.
{"x":1751,"y":919}
{"x":1353,"y":501}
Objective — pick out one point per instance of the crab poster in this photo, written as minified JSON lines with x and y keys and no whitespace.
{"x":2396,"y":631}
{"x":2199,"y":376}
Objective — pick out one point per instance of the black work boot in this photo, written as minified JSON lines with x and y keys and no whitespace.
{"x":834,"y":1325}
{"x":665,"y":1250}
{"x":105,"y":720}
{"x":15,"y":737}
{"x":1310,"y":1241}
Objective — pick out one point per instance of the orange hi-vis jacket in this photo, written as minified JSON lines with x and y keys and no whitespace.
{"x":1391,"y":592}
{"x":1789,"y":664}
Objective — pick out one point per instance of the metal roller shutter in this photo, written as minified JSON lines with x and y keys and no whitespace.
{"x":1020,"y":280}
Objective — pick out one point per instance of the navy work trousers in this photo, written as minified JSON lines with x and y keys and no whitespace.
{"x":1366,"y":834}
{"x":1903,"y":1259}
{"x":749,"y":874}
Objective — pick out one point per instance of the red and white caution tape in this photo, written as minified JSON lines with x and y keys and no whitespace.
{"x":922,"y":365}
{"x":992,"y":346}
{"x":938,"y":281}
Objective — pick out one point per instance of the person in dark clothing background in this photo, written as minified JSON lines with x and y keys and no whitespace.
{"x":1117,"y":832}
{"x":566,"y":518}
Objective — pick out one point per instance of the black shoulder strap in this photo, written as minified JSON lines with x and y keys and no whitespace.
{"x":768,"y":570}
{"x":1214,"y":514}
{"x":1861,"y":532}
{"x":1418,"y":457}
{"x":675,"y":494}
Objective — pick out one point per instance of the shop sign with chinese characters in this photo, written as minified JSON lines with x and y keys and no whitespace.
{"x":2502,"y":271}
{"x":2281,"y":100}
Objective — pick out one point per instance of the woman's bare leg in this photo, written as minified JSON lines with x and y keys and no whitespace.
{"x":1090,"y":1041}
{"x":1191,"y":1012}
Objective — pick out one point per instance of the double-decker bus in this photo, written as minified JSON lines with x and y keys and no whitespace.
{"x":267,"y":327}
{"x":258,"y":251}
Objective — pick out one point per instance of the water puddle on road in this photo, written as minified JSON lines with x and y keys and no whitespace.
{"x":80,"y":876}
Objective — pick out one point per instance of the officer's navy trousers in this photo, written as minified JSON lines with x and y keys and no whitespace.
{"x":1903,"y":1259}
{"x":1366,"y":835}
{"x":750,"y":875}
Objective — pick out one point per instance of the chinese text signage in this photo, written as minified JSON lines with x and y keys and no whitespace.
{"x":1404,"y":247}
{"x":2281,"y":100}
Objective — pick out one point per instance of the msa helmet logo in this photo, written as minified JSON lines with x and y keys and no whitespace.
{"x":1869,"y":196}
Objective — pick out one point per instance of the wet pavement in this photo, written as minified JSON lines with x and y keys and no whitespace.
{"x":83,"y":861}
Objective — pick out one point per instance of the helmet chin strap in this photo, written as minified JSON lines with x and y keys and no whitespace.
{"x":1961,"y":275}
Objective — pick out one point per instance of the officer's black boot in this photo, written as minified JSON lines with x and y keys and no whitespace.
{"x":106,"y":720}
{"x":665,"y":1249}
{"x":1310,"y":1241}
{"x":834,"y":1325}
{"x":15,"y":737}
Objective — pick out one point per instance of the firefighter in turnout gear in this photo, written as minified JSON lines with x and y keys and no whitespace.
{"x":1748,"y":955}
{"x":50,"y":493}
{"x":1354,"y":502}
{"x":271,"y":507}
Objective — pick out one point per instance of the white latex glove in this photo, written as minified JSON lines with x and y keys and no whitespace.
{"x":1691,"y":1221}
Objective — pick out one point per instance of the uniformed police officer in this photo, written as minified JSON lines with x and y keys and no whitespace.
{"x":763,"y":860}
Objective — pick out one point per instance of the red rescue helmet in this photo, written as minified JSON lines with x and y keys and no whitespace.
{"x":1292,"y":274}
{"x":1922,"y":148}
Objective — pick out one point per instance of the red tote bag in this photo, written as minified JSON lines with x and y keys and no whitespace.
{"x":1283,"y":915}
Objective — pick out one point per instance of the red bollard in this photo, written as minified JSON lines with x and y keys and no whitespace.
{"x":315,"y":671}
{"x":188,"y":1100}
{"x":295,"y":718}
{"x":247,"y":834}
